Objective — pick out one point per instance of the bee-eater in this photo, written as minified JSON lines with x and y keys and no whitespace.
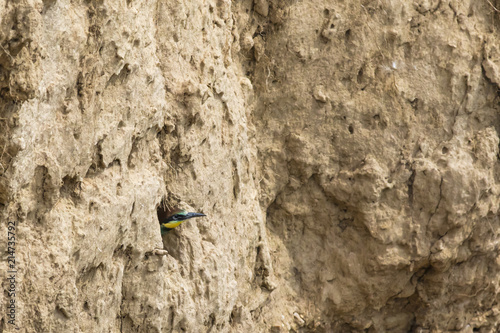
{"x":176,"y":219}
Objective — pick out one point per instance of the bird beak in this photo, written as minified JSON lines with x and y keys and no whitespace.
{"x":191,"y":215}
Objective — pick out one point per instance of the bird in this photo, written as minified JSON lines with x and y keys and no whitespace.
{"x":172,"y":221}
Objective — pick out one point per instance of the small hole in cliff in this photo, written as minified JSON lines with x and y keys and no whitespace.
{"x":86,"y":306}
{"x":376,"y":117}
{"x":360,"y":75}
{"x":445,"y":150}
{"x":326,"y":12}
{"x":210,"y":322}
{"x":348,"y":34}
{"x":163,"y":210}
{"x":351,"y":129}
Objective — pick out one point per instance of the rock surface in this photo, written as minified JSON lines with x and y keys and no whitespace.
{"x":346,"y":155}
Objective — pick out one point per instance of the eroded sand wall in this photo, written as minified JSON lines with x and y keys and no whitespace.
{"x":346,"y":154}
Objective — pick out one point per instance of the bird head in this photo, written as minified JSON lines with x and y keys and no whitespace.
{"x":183,"y":215}
{"x":176,"y":219}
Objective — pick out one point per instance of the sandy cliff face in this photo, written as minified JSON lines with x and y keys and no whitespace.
{"x":379,"y":125}
{"x":346,"y":155}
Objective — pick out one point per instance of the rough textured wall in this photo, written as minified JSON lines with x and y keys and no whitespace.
{"x":346,"y":154}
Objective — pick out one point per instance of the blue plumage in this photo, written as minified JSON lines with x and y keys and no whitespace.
{"x":176,"y":219}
